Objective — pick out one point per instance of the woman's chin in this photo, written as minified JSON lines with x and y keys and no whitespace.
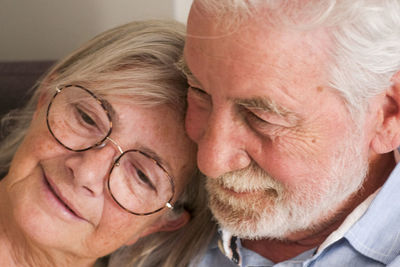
{"x":41,"y":216}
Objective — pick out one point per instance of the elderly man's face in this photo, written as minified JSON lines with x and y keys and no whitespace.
{"x":277,"y":144}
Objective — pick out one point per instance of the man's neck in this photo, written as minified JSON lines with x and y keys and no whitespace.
{"x":281,"y":250}
{"x":277,"y":250}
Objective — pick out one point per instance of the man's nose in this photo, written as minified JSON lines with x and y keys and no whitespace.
{"x":222,"y":145}
{"x":91,"y":168}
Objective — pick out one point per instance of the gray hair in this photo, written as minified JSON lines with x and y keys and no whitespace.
{"x":137,"y":61}
{"x":365,"y":34}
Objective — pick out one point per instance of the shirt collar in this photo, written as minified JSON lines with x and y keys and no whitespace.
{"x":350,"y":220}
{"x":377,"y":233}
{"x":230,"y":246}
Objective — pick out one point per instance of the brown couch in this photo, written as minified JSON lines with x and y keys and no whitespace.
{"x":16,"y":78}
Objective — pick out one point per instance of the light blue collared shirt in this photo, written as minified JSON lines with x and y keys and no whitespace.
{"x":369,"y":238}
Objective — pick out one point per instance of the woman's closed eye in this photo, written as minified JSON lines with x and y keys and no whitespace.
{"x":87,"y":120}
{"x":145,"y":180}
{"x":85,"y":117}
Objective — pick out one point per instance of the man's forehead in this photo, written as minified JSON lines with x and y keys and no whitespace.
{"x":256,"y":59}
{"x":258,"y":54}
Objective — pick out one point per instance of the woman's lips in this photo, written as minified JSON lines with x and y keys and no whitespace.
{"x":68,"y":206}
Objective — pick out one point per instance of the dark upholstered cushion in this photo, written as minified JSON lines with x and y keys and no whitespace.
{"x":16,"y":79}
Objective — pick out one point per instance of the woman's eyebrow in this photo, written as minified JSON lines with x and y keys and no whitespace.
{"x":110,"y":109}
{"x":142,"y":148}
{"x":156,"y":157}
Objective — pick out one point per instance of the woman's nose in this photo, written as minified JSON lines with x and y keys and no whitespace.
{"x":91,"y":168}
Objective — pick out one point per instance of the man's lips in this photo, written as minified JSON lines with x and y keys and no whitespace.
{"x":235,"y":192}
{"x":62,"y":199}
{"x":248,"y":192}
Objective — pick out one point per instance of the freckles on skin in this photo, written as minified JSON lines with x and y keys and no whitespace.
{"x":305,"y":138}
{"x":325,"y":122}
{"x":294,"y":142}
{"x":302,"y":142}
{"x":299,"y":141}
{"x":167,"y":127}
{"x":123,"y":227}
{"x":120,"y":229}
{"x":39,"y":144}
{"x":156,"y":128}
{"x":308,"y":143}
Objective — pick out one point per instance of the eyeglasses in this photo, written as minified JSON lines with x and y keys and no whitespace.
{"x":79,"y":120}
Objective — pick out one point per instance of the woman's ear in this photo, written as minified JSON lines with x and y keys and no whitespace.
{"x":172,"y":224}
{"x":164,"y":224}
{"x":387,"y":136}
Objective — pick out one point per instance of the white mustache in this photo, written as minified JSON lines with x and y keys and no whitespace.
{"x":250,"y":179}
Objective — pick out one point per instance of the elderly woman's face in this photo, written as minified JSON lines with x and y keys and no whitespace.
{"x":60,"y":197}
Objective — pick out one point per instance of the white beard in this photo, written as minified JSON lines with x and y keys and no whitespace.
{"x":274,"y":210}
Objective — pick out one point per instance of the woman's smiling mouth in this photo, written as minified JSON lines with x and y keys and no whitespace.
{"x":59,"y":201}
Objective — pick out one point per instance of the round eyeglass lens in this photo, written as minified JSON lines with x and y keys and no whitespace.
{"x":77,"y":119}
{"x":139,"y":185}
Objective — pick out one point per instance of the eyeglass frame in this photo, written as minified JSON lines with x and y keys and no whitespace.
{"x":102,"y":143}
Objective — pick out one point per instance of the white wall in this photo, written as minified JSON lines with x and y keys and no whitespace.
{"x":181,"y":9}
{"x":50,"y":29}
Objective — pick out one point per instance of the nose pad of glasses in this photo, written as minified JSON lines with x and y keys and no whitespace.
{"x":102,"y":144}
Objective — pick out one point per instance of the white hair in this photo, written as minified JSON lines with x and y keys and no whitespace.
{"x":365,"y":33}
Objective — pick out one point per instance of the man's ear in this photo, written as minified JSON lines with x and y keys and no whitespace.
{"x":387,"y":137}
{"x":164,"y":224}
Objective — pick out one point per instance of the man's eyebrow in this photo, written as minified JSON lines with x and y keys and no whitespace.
{"x":264,"y":104}
{"x":183,"y":66}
